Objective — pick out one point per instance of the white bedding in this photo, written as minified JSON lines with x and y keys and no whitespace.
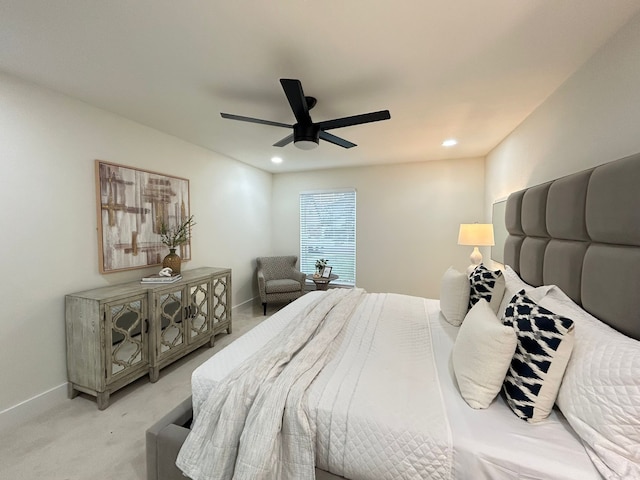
{"x":371,"y":416}
{"x":251,"y":425}
{"x":494,"y":443}
{"x":207,"y":375}
{"x":376,"y":415}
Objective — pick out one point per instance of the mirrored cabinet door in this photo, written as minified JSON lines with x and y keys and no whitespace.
{"x":126,"y":336}
{"x":221,"y":298}
{"x":170,"y":328}
{"x":199,"y":306}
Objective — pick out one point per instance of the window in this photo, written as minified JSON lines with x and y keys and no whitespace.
{"x":328,"y":230}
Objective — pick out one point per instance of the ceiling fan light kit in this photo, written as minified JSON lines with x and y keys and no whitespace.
{"x":306,"y":144}
{"x":306,"y":137}
{"x":307,"y":134}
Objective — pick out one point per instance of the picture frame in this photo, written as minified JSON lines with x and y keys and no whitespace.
{"x":132,"y":205}
{"x":326,"y":272}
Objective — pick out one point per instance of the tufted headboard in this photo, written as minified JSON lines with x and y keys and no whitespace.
{"x":582,"y":233}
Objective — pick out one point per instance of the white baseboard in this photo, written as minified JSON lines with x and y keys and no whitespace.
{"x":244,"y":303}
{"x":30,"y":408}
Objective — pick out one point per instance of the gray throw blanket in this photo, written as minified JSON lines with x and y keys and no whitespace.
{"x":253,"y":425}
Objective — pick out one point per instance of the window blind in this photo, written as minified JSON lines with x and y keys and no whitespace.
{"x":328,"y":230}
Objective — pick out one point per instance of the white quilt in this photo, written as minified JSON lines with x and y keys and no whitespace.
{"x":369,"y":413}
{"x":377,"y":415}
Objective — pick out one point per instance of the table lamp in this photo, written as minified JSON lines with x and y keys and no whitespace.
{"x":476,"y":235}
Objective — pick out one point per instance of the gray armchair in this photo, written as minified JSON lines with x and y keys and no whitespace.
{"x":279,"y":279}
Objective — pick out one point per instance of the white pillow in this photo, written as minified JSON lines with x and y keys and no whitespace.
{"x":514,"y":284}
{"x":545,"y":342}
{"x":513,"y":280}
{"x":454,"y":296}
{"x":482,"y":354}
{"x":486,"y":284}
{"x":600,"y":393}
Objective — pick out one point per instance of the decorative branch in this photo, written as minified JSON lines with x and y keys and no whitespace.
{"x":174,"y":237}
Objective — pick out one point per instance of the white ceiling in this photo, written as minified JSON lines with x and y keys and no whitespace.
{"x":467,"y":69}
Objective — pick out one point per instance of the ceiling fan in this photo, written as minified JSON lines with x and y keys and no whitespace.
{"x":307,"y":134}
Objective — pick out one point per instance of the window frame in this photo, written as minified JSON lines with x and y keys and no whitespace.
{"x":308,"y":259}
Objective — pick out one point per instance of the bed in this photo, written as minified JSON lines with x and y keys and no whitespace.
{"x":384,"y":397}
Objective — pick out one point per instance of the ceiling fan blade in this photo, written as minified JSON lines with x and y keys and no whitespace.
{"x":285,"y":141}
{"x":336,"y":140}
{"x":355,"y":120}
{"x":295,"y":95}
{"x":254,"y":120}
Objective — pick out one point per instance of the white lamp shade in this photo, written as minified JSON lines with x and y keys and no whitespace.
{"x":476,"y":234}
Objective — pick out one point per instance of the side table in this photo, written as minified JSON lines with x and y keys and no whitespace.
{"x":322,"y":283}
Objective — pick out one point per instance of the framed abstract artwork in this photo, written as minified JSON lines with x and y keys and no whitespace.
{"x":132,"y":206}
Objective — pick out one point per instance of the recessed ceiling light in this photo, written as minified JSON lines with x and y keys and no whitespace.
{"x":276,"y":159}
{"x":449,"y":142}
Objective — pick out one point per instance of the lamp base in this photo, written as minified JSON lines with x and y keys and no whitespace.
{"x":475,"y":258}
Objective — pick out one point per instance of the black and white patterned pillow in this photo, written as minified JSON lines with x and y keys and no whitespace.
{"x":545,"y":342}
{"x":486,"y":284}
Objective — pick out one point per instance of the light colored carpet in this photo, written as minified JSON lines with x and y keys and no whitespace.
{"x":76,"y":441}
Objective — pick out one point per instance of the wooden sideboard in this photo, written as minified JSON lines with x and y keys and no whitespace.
{"x":120,"y":333}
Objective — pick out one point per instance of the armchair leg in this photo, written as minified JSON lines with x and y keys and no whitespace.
{"x":264,"y":306}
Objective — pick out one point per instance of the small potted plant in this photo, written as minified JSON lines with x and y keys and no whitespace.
{"x":174,"y":237}
{"x":320,"y":264}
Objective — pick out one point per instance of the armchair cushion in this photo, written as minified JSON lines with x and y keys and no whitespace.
{"x":282,"y":286}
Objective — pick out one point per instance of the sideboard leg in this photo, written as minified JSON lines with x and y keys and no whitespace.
{"x":103,"y":400}
{"x":212,"y":341}
{"x":71,"y":392}
{"x":154,"y":374}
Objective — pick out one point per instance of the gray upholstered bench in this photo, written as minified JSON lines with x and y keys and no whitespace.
{"x":164,"y":440}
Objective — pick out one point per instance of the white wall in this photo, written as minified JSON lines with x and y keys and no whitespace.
{"x":591,"y":119}
{"x":407,"y":219}
{"x":48,"y":143}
